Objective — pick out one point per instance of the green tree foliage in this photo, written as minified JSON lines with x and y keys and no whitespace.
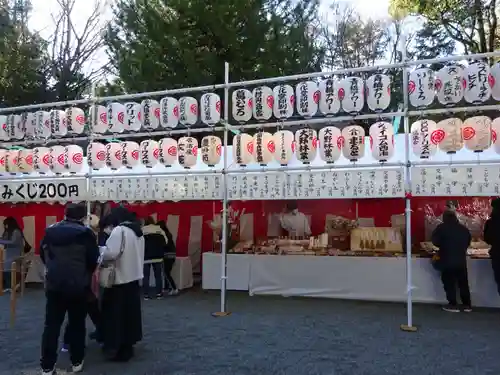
{"x":158,"y":44}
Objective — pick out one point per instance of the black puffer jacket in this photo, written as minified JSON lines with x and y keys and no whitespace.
{"x":155,"y":242}
{"x":453,"y":239}
{"x":492,"y":234}
{"x":70,"y":253}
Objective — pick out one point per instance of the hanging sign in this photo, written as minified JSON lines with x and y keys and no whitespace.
{"x":14,"y":127}
{"x":211,"y":150}
{"x":4,"y":136}
{"x":58,"y":126}
{"x":425,"y":136}
{"x":113,"y":156}
{"x":169,"y":112}
{"x":187,"y":151}
{"x":133,"y":117}
{"x":69,"y":190}
{"x":479,"y":82}
{"x":242,"y":101}
{"x":284,"y":101}
{"x":495,"y":73}
{"x":243,"y":149}
{"x":73,"y":159}
{"x":352,"y":94}
{"x":150,"y":114}
{"x":168,"y":151}
{"x":353,"y":138}
{"x":96,"y":155}
{"x":450,"y":130}
{"x":150,"y":152}
{"x":3,"y":160}
{"x":42,"y":124}
{"x":56,"y":159}
{"x":450,"y":85}
{"x":25,"y":161}
{"x":421,"y":87}
{"x":263,"y":100}
{"x":116,"y":117}
{"x":382,"y":141}
{"x":41,"y":159}
{"x":329,"y":103}
{"x":330,"y":144}
{"x":476,"y":133}
{"x":98,"y":115}
{"x":263,"y":147}
{"x":75,"y":120}
{"x":188,"y":111}
{"x":11,"y":161}
{"x":28,"y":124}
{"x":378,"y":92}
{"x":306,"y":145}
{"x":495,"y":134}
{"x":129,"y":154}
{"x":284,"y":142}
{"x":307,"y":97}
{"x":210,"y":109}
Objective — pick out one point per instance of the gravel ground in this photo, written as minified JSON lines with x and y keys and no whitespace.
{"x":268,"y":336}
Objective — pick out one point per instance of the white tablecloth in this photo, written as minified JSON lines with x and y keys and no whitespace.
{"x":361,"y":278}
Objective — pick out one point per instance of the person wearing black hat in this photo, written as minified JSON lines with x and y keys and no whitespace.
{"x":491,"y":237}
{"x":70,"y":253}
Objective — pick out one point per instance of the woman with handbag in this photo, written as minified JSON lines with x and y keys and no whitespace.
{"x":122,"y":262}
{"x":15,"y":246}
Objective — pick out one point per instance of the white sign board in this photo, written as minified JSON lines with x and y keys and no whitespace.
{"x":456,"y":181}
{"x":330,"y":184}
{"x":67,"y":190}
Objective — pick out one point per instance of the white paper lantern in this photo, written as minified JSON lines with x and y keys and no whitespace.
{"x":187,"y":151}
{"x":284,"y":142}
{"x":130,"y":154}
{"x":284,"y":101}
{"x":210,"y":108}
{"x":263,"y":147}
{"x":15,"y":127}
{"x":421,"y":87}
{"x":113,"y":155}
{"x":96,"y":155}
{"x":29,"y":124}
{"x":306,"y":145}
{"x":116,"y":117}
{"x":168,"y":151}
{"x":56,"y":159}
{"x":3,"y":160}
{"x":479,"y":81}
{"x":75,"y":120}
{"x":263,"y":103}
{"x":4,"y":135}
{"x":330,"y":144}
{"x":449,"y":135}
{"x":43,"y":124}
{"x":12,"y":160}
{"x":495,"y":135}
{"x":243,"y":149}
{"x":495,"y":74}
{"x":424,"y":138}
{"x":73,"y":158}
{"x":329,"y":102}
{"x":169,"y":112}
{"x":382,"y":141}
{"x":211,"y":150}
{"x":25,"y":162}
{"x":353,"y":141}
{"x":188,"y":111}
{"x":133,"y":117}
{"x":352,"y":94}
{"x":307,"y":98}
{"x":149,"y":151}
{"x":98,"y":116}
{"x":150,"y":114}
{"x":450,"y":84}
{"x":58,"y":127}
{"x":378,"y":92}
{"x":41,"y":159}
{"x":476,"y":133}
{"x":242,"y":102}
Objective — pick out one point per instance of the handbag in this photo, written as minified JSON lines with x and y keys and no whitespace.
{"x":107,"y":272}
{"x":27,"y":246}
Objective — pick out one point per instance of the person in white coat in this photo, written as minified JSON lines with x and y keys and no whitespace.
{"x":121,"y":318}
{"x":294,"y":222}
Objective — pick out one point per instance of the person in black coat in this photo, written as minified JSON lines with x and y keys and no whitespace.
{"x":492,"y":238}
{"x":155,"y":247}
{"x":169,"y":260}
{"x":453,"y":239}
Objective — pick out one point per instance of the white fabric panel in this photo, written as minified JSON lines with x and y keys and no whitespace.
{"x":2,"y":218}
{"x":29,"y":230}
{"x":238,"y":271}
{"x":182,"y":273}
{"x":246,"y":227}
{"x":217,"y":219}
{"x":194,"y":243}
{"x":173,"y":225}
{"x":154,"y":216}
{"x":273,"y":225}
{"x":49,"y":220}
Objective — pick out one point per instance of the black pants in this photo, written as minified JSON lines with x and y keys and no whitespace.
{"x":495,"y":264}
{"x":94,"y":314}
{"x":56,"y":306}
{"x":157,"y":270}
{"x":168,"y":264}
{"x":452,"y":278}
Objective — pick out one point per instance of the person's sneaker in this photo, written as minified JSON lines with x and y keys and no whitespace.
{"x":159,"y":296}
{"x":146,"y":297}
{"x":49,"y":372}
{"x":173,"y":292}
{"x":467,"y":309}
{"x":65,"y":348}
{"x":77,"y":367}
{"x":7,"y":290}
{"x":451,"y":308}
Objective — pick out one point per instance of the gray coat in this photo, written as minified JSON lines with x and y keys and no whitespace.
{"x":13,"y":247}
